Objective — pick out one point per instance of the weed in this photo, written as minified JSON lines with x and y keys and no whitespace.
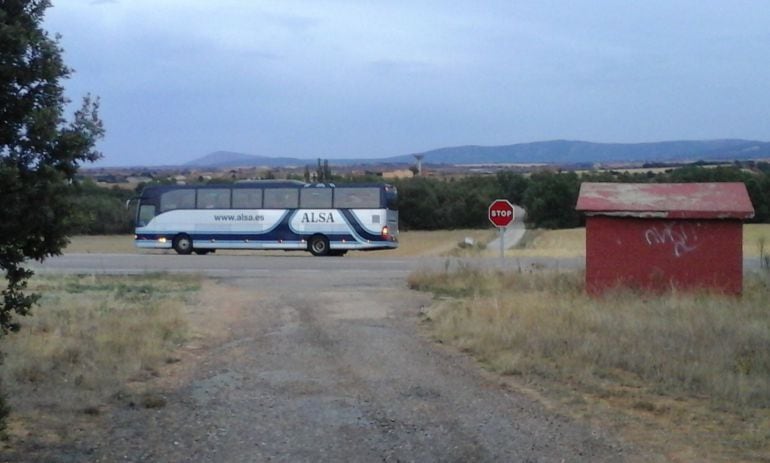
{"x":527,"y":241}
{"x":151,"y":400}
{"x":90,"y":336}
{"x":697,"y":344}
{"x":644,"y":405}
{"x":678,"y":359}
{"x":92,"y":410}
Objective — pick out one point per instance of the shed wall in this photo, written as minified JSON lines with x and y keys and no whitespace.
{"x":659,"y":254}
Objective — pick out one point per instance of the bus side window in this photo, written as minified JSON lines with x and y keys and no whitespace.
{"x":177,"y":199}
{"x":247,"y":198}
{"x":357,"y":198}
{"x":315,"y":198}
{"x":214,"y":198}
{"x":281,"y":198}
{"x":146,"y":213}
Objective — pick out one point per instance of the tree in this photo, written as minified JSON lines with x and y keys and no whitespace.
{"x":418,"y":204}
{"x":550,"y":200}
{"x":40,"y":151}
{"x":327,"y":171}
{"x":512,"y":186}
{"x":323,"y":172}
{"x":100,"y":211}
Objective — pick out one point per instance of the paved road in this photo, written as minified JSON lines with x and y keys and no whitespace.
{"x":256,"y":265}
{"x":296,"y":263}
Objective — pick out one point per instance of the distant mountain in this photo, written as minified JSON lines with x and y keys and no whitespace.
{"x":549,"y":152}
{"x":231,"y":159}
{"x":574,"y":152}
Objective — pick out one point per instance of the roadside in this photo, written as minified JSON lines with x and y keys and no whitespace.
{"x":326,"y":370}
{"x":411,"y":243}
{"x":643,"y":364}
{"x":544,"y":243}
{"x":512,"y":235}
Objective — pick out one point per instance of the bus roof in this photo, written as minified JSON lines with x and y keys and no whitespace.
{"x":156,"y":189}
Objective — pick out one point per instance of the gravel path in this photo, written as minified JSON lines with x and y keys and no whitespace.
{"x":320,"y":370}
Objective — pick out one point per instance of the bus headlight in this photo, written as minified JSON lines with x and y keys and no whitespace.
{"x":385,"y":232}
{"x":162,"y":240}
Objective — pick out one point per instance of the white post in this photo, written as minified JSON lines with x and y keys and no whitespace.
{"x":502,"y":247}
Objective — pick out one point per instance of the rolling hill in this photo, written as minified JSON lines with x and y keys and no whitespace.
{"x":550,"y":152}
{"x":231,"y":159}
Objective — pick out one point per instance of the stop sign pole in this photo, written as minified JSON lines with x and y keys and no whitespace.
{"x":501,"y":215}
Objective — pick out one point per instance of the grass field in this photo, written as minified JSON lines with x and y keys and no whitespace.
{"x":571,"y":242}
{"x":547,"y":243}
{"x":689,"y":369}
{"x":756,"y":239}
{"x":95,"y":343}
{"x":411,"y":243}
{"x":111,"y":244}
{"x":686,"y":372}
{"x":92,"y":341}
{"x":551,"y":243}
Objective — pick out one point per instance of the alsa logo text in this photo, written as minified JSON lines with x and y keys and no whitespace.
{"x":317,"y":217}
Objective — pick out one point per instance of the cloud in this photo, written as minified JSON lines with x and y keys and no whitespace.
{"x":182,"y":77}
{"x":388,"y":67}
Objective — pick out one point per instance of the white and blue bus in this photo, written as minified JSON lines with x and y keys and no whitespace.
{"x":322,"y":219}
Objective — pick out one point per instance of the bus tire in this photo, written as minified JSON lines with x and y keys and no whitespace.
{"x":318,"y":245}
{"x":182,"y":244}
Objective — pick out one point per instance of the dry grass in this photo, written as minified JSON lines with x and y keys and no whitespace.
{"x":552,"y":243}
{"x":572,"y":242}
{"x":411,"y":243}
{"x":109,"y":244}
{"x":657,"y":353}
{"x":756,"y":239}
{"x":436,"y":243}
{"x":90,"y":338}
{"x":545,"y":243}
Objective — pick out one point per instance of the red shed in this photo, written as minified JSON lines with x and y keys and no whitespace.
{"x":662,"y":235}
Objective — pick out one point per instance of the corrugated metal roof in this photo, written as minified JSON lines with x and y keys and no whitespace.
{"x":667,"y":200}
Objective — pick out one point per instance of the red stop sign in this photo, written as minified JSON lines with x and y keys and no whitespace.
{"x":501,"y":213}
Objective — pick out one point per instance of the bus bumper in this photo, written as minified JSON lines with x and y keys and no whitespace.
{"x":148,"y":243}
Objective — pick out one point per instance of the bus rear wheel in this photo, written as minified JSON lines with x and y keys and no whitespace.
{"x":182,"y":244}
{"x":318,"y":245}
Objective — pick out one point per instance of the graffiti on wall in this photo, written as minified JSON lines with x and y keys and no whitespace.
{"x":682,"y":237}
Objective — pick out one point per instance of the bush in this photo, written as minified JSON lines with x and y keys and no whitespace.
{"x":101,"y":211}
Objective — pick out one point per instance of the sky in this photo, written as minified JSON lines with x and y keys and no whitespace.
{"x":179,"y":79}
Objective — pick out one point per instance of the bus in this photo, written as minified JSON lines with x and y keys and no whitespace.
{"x":322,"y":219}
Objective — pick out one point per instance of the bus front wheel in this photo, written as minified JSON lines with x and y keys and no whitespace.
{"x":318,"y":245}
{"x":182,"y":244}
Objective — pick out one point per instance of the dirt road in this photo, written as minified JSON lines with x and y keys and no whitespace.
{"x":316,"y":368}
